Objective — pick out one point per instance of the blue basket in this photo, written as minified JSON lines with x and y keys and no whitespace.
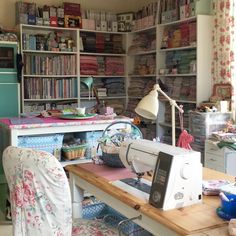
{"x":48,"y":143}
{"x":112,"y":218}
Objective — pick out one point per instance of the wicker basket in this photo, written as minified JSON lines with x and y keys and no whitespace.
{"x":74,"y":152}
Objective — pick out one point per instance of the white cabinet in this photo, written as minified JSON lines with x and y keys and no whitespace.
{"x":220,"y":159}
{"x":184,"y":55}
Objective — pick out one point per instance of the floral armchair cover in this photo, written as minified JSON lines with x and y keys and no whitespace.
{"x":39,"y":193}
{"x":40,"y":197}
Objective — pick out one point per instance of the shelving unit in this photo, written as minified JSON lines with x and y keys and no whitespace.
{"x":183,"y":66}
{"x":141,"y":64}
{"x":50,"y":75}
{"x":103,"y":56}
{"x":137,"y":59}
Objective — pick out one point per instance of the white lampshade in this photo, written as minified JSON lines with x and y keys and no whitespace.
{"x":148,"y":106}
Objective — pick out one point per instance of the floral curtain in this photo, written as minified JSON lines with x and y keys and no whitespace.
{"x":223,"y":65}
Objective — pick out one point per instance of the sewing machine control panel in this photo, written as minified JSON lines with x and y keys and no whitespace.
{"x":160,"y":180}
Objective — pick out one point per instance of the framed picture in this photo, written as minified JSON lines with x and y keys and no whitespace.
{"x":222,"y":91}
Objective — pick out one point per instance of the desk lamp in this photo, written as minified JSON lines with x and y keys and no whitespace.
{"x":149,"y":105}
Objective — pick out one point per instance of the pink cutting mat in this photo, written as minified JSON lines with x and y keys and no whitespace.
{"x":107,"y":172}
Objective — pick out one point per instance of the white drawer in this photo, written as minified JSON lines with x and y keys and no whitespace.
{"x":213,"y":149}
{"x":214,"y":162}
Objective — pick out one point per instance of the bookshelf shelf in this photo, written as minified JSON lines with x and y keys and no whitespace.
{"x":103,"y":54}
{"x":50,"y":99}
{"x":144,"y":30}
{"x":186,"y":20}
{"x":178,"y":48}
{"x":102,"y":76}
{"x":50,"y":76}
{"x":143,"y":53}
{"x":145,"y":75}
{"x":178,"y":75}
{"x":48,"y":52}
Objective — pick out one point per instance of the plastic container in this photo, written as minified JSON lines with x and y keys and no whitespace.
{"x":229,"y":207}
{"x":204,"y":123}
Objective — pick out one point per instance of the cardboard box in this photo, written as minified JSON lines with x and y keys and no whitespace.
{"x":72,"y":9}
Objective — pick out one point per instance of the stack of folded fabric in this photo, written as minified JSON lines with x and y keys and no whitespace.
{"x":115,"y":86}
{"x":114,"y":66}
{"x":88,"y":65}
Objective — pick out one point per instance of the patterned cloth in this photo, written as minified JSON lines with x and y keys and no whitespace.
{"x":40,"y":196}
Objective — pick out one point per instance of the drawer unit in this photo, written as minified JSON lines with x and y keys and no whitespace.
{"x":220,"y":159}
{"x":201,"y":126}
{"x":204,"y":123}
{"x":212,"y":148}
{"x":215,"y":162}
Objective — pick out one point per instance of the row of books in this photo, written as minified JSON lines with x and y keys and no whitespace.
{"x":50,"y":65}
{"x":44,"y":88}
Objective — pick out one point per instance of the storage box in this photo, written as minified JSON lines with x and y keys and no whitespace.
{"x":50,"y":143}
{"x":113,"y":218}
{"x":204,"y":123}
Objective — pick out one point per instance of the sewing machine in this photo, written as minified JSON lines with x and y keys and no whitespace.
{"x":177,"y":180}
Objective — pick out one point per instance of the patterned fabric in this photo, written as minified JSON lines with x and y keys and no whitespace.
{"x":40,"y":197}
{"x":39,"y":193}
{"x":84,"y":227}
{"x":223,"y":65}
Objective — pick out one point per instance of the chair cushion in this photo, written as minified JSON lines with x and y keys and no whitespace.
{"x":83,"y":227}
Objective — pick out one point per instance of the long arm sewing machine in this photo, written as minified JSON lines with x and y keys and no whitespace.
{"x":177,"y":180}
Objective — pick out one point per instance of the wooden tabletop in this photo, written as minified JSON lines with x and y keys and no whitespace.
{"x":190,"y":220}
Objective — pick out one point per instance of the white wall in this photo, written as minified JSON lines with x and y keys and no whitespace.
{"x":7,"y":7}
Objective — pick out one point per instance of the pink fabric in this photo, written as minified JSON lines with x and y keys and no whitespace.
{"x":107,"y":172}
{"x":53,"y":122}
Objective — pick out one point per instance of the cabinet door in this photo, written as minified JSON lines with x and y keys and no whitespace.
{"x":9,"y":100}
{"x":231,"y":163}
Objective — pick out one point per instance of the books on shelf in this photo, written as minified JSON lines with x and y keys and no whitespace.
{"x":49,"y":65}
{"x":50,"y":88}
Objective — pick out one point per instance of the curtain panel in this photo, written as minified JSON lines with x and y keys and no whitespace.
{"x":224,"y":48}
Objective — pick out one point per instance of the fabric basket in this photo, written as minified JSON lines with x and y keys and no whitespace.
{"x":112,"y":218}
{"x":74,"y":152}
{"x":110,"y":141}
{"x":49,"y":143}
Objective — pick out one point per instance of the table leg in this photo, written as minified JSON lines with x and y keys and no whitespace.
{"x":77,"y":196}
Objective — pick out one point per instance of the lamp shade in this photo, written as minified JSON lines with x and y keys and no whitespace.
{"x":148,"y":106}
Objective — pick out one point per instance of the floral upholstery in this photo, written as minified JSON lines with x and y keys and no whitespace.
{"x":40,"y":196}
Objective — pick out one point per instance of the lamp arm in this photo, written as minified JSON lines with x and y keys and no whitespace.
{"x":173,"y":105}
{"x":172,"y":101}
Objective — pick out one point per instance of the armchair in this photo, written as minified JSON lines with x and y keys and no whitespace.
{"x":40,"y":197}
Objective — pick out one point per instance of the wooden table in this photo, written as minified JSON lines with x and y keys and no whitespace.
{"x":192,"y":220}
